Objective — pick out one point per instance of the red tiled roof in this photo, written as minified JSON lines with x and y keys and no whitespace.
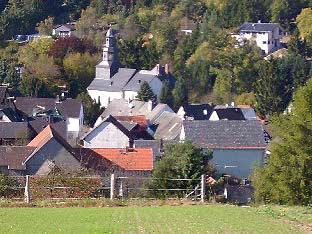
{"x":139,"y":119}
{"x":42,"y":138}
{"x":138,"y":159}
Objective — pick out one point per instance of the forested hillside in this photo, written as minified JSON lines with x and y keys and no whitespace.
{"x":208,"y":65}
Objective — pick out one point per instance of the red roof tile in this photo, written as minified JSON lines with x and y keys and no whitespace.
{"x":138,"y":159}
{"x":42,"y":138}
{"x":139,"y":119}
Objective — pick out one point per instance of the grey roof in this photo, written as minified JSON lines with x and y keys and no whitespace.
{"x":11,"y":114}
{"x":116,"y":83}
{"x":69,"y":108}
{"x":14,"y":130}
{"x":128,"y":125}
{"x":198,"y":111}
{"x":59,"y":125}
{"x":259,"y":27}
{"x":69,"y":27}
{"x":157,"y":111}
{"x":121,"y":107}
{"x":14,"y":156}
{"x":225,"y":133}
{"x":135,"y":83}
{"x":230,"y":113}
{"x":29,"y":106}
{"x":167,"y":126}
{"x":156,"y":146}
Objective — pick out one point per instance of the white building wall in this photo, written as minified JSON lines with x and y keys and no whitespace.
{"x":104,"y":96}
{"x":130,"y":95}
{"x":214,"y":116}
{"x":107,"y":135}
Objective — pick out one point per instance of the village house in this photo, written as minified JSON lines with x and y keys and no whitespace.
{"x":237,"y":145}
{"x":69,"y":110}
{"x":110,"y":133}
{"x":64,"y":30}
{"x":48,"y":152}
{"x":267,"y":36}
{"x":113,"y":82}
{"x":15,"y":133}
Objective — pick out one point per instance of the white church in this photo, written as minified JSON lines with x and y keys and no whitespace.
{"x":113,"y":82}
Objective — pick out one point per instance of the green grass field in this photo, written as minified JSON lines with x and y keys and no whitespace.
{"x":160,"y":219}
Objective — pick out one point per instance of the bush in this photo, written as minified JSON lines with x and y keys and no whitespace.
{"x":5,"y":185}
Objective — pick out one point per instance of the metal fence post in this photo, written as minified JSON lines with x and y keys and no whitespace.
{"x":27,"y":190}
{"x":203,"y":188}
{"x":112,"y":186}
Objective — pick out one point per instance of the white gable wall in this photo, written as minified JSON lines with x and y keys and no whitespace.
{"x":106,"y":135}
{"x":214,"y":116}
{"x":104,"y":96}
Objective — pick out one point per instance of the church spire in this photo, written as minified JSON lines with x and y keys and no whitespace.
{"x":109,"y":65}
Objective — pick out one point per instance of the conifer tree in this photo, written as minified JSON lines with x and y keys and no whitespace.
{"x":145,"y":93}
{"x":287,"y":179}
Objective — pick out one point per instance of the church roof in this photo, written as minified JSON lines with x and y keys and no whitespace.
{"x":135,"y":83}
{"x":116,"y":83}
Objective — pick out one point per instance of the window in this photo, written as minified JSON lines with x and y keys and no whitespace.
{"x":269,"y":42}
{"x":264,"y":42}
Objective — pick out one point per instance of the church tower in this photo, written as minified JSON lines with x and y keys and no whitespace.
{"x":109,"y":65}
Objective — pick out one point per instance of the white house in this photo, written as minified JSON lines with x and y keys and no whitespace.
{"x":112,"y":82}
{"x":108,"y":134}
{"x":266,"y":35}
{"x":64,"y":30}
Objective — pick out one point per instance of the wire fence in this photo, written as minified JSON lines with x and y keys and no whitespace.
{"x":34,"y":188}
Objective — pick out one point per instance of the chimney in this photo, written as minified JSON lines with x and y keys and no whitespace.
{"x":232,"y":104}
{"x":259,"y":21}
{"x":157,"y":69}
{"x":167,"y":68}
{"x":149,"y":105}
{"x":205,"y":112}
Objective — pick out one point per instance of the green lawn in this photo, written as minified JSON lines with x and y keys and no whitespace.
{"x":161,"y":219}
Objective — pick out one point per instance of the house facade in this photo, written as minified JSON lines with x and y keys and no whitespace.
{"x":113,"y":82}
{"x":266,"y":35}
{"x":237,"y":145}
{"x":108,"y":134}
{"x":64,"y":30}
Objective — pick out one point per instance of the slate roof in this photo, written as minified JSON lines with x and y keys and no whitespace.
{"x":11,"y":114}
{"x":121,"y":107}
{"x":167,"y":126}
{"x":225,"y":134}
{"x":198,"y":111}
{"x":70,"y":27}
{"x":45,"y":136}
{"x":111,"y":158}
{"x":40,"y":123}
{"x":29,"y":106}
{"x":135,"y":83}
{"x":15,"y":156}
{"x":69,"y":108}
{"x":259,"y":27}
{"x":155,"y":145}
{"x":116,"y":83}
{"x":14,"y":130}
{"x":230,"y":113}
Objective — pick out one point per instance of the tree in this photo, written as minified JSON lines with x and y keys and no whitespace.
{"x":180,"y":161}
{"x":79,"y":70}
{"x":8,"y":72}
{"x":246,"y":99}
{"x":45,"y":27}
{"x":273,"y":92}
{"x":222,"y":89}
{"x":287,"y":178}
{"x":180,"y":94}
{"x":304,"y":21}
{"x":166,"y":94}
{"x":91,"y":109}
{"x":145,"y":93}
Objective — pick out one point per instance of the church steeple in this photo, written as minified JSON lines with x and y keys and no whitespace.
{"x":109,"y":65}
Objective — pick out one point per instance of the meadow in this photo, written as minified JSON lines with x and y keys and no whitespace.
{"x":156,"y":219}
